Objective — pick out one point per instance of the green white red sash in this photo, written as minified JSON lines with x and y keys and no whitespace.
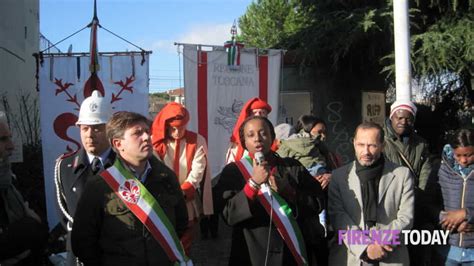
{"x":145,"y":207}
{"x":281,"y":215}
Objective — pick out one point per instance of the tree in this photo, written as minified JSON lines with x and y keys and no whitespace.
{"x":442,"y":44}
{"x":345,"y":34}
{"x":160,"y":95}
{"x":325,"y":33}
{"x":356,"y":36}
{"x":267,"y":22}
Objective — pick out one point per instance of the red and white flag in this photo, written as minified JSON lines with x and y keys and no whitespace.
{"x":62,"y":84}
{"x":215,"y":93}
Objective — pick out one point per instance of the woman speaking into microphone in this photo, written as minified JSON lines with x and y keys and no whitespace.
{"x":269,"y":201}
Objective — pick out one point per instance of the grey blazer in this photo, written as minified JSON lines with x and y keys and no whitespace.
{"x":395,"y":211}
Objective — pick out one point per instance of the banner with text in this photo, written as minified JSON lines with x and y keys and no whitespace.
{"x":216,"y":92}
{"x":373,"y":107}
{"x":64,"y":82}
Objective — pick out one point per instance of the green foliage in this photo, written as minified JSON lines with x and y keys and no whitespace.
{"x":355,"y":38}
{"x":442,"y":48}
{"x":160,"y":95}
{"x":447,"y":45}
{"x":326,"y":33}
{"x":346,"y":35}
{"x":267,"y":22}
{"x":447,"y":5}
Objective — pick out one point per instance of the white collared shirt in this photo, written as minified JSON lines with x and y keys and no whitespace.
{"x":102,"y":157}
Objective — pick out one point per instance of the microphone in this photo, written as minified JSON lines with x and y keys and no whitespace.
{"x":259,"y":157}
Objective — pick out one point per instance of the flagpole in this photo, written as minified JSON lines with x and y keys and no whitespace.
{"x":95,"y":12}
{"x":94,"y":64}
{"x":402,"y":49}
{"x":94,"y":82}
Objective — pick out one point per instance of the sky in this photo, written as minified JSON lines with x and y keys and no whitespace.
{"x":154,"y":25}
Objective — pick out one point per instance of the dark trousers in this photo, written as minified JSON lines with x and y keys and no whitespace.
{"x":209,"y":224}
{"x":25,"y":234}
{"x":320,"y":253}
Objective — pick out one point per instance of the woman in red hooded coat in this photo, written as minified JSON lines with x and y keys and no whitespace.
{"x":253,"y":107}
{"x":185,"y":152}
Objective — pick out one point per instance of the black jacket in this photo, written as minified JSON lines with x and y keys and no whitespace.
{"x":250,"y":221}
{"x":106,"y":232}
{"x":74,"y":171}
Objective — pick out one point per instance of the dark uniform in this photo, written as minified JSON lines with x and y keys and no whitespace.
{"x":72,"y":172}
{"x":106,"y":232}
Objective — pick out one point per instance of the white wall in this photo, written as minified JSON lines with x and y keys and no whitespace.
{"x":19,"y":39}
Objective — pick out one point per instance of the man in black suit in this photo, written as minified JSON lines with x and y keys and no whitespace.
{"x":72,"y":170}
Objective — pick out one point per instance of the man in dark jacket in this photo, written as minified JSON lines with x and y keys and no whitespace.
{"x":111,"y":226}
{"x":22,"y":235}
{"x":405,"y":147}
{"x":73,"y":169}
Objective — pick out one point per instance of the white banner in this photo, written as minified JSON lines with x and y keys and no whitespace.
{"x":215,"y":93}
{"x":373,"y":107}
{"x":61,"y":82}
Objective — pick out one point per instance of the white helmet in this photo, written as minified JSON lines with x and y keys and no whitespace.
{"x":94,"y":110}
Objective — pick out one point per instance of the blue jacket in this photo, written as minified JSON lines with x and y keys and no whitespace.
{"x":457,"y":193}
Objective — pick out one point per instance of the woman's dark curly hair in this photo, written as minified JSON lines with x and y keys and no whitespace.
{"x":307,"y":122}
{"x":264,"y":119}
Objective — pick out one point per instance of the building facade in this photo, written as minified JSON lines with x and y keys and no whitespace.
{"x":19,"y":39}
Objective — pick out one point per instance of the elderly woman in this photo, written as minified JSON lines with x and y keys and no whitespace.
{"x":269,"y":201}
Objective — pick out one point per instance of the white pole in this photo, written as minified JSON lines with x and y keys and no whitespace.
{"x":402,"y":50}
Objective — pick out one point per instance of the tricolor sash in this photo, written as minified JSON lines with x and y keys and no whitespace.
{"x":281,"y":214}
{"x":145,"y":207}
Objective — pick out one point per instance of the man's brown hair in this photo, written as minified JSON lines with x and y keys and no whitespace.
{"x":120,"y":121}
{"x":371,"y":125}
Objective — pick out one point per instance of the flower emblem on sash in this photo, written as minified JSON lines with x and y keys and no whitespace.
{"x":130,"y":191}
